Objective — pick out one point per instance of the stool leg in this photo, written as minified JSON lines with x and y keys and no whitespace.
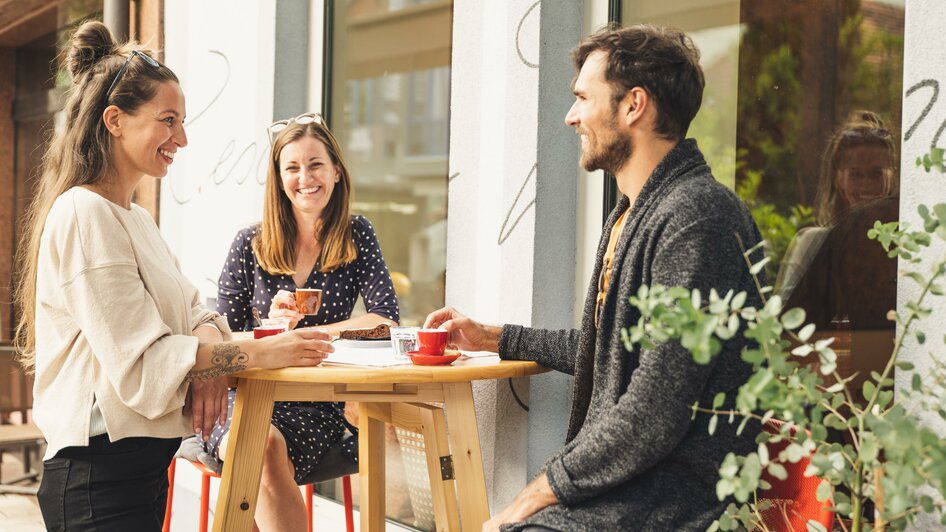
{"x":204,"y":501}
{"x":167,"y":510}
{"x":308,"y":506}
{"x":346,"y":490}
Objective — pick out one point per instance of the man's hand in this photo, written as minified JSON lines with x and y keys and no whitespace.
{"x":534,"y":497}
{"x":464,"y":332}
{"x":207,"y":400}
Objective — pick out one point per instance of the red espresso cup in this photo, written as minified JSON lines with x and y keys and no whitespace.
{"x":266,"y":330}
{"x":431,"y":341}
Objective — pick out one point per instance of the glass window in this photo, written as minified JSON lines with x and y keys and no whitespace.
{"x":390,"y":90}
{"x":390,"y":95}
{"x":801,"y":116}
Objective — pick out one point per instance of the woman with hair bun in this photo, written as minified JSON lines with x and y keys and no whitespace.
{"x":127,"y":359}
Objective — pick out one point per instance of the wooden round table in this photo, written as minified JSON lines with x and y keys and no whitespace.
{"x":394,"y":394}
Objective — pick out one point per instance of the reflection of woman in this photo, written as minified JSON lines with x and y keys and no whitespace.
{"x":116,"y":334}
{"x":306,"y":240}
{"x":857,"y":169}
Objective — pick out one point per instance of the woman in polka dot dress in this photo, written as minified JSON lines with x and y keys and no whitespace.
{"x":307,"y":239}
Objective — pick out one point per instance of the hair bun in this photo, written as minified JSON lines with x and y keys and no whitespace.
{"x":90,"y":44}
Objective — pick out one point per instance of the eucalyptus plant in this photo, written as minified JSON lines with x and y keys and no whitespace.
{"x":889,"y":456}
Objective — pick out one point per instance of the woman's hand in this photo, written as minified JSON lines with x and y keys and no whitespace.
{"x":207,"y":400}
{"x":284,"y":306}
{"x":304,"y":347}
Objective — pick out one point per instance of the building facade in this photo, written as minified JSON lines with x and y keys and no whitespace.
{"x":450,"y":115}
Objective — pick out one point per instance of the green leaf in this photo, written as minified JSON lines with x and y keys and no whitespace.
{"x":742,"y":426}
{"x":823,"y":493}
{"x":920,"y":337}
{"x":940,"y":210}
{"x":905,"y":366}
{"x":803,"y":350}
{"x":793,"y":319}
{"x":916,"y":383}
{"x":869,"y":389}
{"x":712,"y":424}
{"x":757,"y":267}
{"x":815,"y":526}
{"x":793,"y":453}
{"x":738,"y":301}
{"x":718,"y":400}
{"x":777,"y":470}
{"x":916,"y":277}
{"x":936,"y":155}
{"x":805,"y":333}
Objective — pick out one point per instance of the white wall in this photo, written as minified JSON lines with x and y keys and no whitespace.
{"x":492,"y":155}
{"x":924,"y":62}
{"x":222,"y":51}
{"x":513,"y":209}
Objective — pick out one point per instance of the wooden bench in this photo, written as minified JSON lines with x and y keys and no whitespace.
{"x":26,"y":439}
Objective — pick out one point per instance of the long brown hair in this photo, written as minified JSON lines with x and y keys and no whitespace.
{"x":862,"y":128}
{"x":80,"y":152}
{"x":275,"y":244}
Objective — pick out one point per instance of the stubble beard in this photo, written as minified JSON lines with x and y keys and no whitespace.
{"x":611,"y":157}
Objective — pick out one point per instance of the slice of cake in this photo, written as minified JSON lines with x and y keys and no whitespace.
{"x":381,"y":332}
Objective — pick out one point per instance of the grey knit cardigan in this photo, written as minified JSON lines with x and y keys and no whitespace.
{"x":634,"y":459}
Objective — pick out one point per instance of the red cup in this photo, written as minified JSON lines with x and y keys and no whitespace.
{"x":266,"y":330}
{"x":431,"y":341}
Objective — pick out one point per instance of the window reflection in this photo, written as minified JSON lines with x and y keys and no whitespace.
{"x":801,"y":115}
{"x":390,"y":87}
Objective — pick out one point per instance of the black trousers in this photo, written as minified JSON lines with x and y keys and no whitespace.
{"x":108,"y":486}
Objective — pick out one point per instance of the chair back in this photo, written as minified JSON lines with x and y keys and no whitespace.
{"x":793,"y":500}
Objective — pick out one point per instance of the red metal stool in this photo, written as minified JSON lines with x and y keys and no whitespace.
{"x":205,"y":498}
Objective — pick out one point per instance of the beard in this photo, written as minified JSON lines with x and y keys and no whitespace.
{"x":610,"y":156}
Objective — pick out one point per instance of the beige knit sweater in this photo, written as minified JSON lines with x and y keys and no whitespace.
{"x":114,"y":325}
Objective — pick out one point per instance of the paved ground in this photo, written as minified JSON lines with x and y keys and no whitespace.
{"x":20,"y":513}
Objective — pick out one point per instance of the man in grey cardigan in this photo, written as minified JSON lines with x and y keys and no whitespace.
{"x":634,"y":459}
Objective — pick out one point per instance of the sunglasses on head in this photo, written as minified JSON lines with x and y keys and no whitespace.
{"x":860,"y":133}
{"x":145,"y":57}
{"x":305,"y":118}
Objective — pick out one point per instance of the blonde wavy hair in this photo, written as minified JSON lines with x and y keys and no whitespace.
{"x":275,"y":243}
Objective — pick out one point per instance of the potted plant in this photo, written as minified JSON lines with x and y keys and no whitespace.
{"x":889,"y":467}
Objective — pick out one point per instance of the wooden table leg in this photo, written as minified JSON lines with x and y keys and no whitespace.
{"x":239,"y":484}
{"x":467,"y":460}
{"x":442,"y":492}
{"x":371,"y":470}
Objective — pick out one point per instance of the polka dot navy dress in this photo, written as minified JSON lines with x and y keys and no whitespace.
{"x":310,"y":429}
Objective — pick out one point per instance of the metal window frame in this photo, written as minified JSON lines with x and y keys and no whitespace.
{"x":328,"y":39}
{"x":611,"y":193}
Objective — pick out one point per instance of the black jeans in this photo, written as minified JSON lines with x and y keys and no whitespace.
{"x":108,"y":486}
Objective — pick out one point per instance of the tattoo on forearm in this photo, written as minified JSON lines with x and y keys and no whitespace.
{"x":226,"y":359}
